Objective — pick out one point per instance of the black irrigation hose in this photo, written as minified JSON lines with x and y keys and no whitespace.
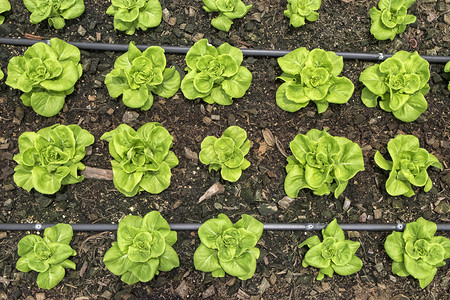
{"x":195,"y":226}
{"x":184,"y":50}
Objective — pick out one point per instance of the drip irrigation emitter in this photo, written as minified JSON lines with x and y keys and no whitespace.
{"x":183,"y":50}
{"x":195,"y":226}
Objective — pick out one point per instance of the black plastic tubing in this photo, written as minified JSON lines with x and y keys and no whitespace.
{"x":195,"y":226}
{"x":184,"y":50}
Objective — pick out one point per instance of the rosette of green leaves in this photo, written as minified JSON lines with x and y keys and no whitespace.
{"x":226,"y":153}
{"x":142,"y":159}
{"x":447,"y":70}
{"x":48,"y":255}
{"x":56,"y":11}
{"x":408,"y":166}
{"x":299,"y":10}
{"x":228,"y":248}
{"x":46,"y":74}
{"x":312,"y":76}
{"x":401,"y":81}
{"x":4,"y":6}
{"x":51,"y":157}
{"x":137,"y":75}
{"x":322,"y":163}
{"x":143,"y":248}
{"x":130,"y":15}
{"x":417,"y":252}
{"x":228,"y":10}
{"x":391,"y":18}
{"x":333,"y":254}
{"x":215,"y":75}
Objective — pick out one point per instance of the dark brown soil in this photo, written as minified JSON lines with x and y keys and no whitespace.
{"x":342,"y":26}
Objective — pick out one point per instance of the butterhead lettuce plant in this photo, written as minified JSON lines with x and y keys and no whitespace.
{"x":408,"y":166}
{"x":56,"y":11}
{"x":51,"y":157}
{"x":322,"y":163}
{"x":391,"y":18}
{"x":46,"y":74}
{"x":142,"y":159}
{"x":299,"y":10}
{"x":130,"y":15}
{"x":228,"y":248}
{"x":138,"y":75}
{"x":401,"y":82}
{"x":226,"y":153}
{"x":333,"y":254}
{"x":48,"y":255}
{"x":447,"y":70}
{"x":4,"y":6}
{"x":215,"y":75}
{"x":417,"y":252}
{"x":312,"y":76}
{"x":143,"y":248}
{"x":228,"y":10}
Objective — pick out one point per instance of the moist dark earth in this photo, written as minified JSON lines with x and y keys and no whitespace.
{"x":343,"y":25}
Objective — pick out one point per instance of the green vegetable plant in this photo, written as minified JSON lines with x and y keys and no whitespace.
{"x":215,"y":75}
{"x":138,"y":75}
{"x":447,"y":70}
{"x":228,"y":248}
{"x":400,"y":82}
{"x":1,"y":75}
{"x":130,"y":15}
{"x":333,"y":254}
{"x":408,"y":166}
{"x":4,"y":6}
{"x":51,"y":157}
{"x":312,"y":76}
{"x":228,"y":10}
{"x":226,"y":153}
{"x":46,"y":74}
{"x":391,"y":18}
{"x":56,"y":11}
{"x":299,"y":10}
{"x":322,"y":163}
{"x":49,"y":256}
{"x":417,"y":252}
{"x":143,"y":248}
{"x":142,"y":159}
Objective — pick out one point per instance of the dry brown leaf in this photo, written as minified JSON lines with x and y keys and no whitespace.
{"x":215,"y":189}
{"x":268,"y":137}
{"x":262,"y":148}
{"x":280,"y":147}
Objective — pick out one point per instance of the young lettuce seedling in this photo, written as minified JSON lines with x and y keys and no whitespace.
{"x":56,"y":11}
{"x":226,"y":153}
{"x":228,"y":10}
{"x":401,"y":81}
{"x":4,"y":6}
{"x":299,"y":10}
{"x":408,"y":166}
{"x":48,"y":255}
{"x":312,"y":76}
{"x":322,"y":163}
{"x":215,"y":75}
{"x":143,"y":248}
{"x":142,"y":159}
{"x":333,"y":254}
{"x":417,"y":252}
{"x":130,"y":15}
{"x":137,"y":75}
{"x":51,"y":157}
{"x":46,"y":74}
{"x":228,"y":248}
{"x":391,"y":18}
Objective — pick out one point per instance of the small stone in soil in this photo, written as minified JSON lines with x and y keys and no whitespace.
{"x":377,"y":213}
{"x":267,"y":209}
{"x":130,"y":116}
{"x":285,"y":202}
